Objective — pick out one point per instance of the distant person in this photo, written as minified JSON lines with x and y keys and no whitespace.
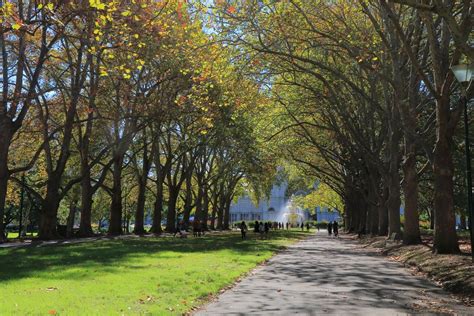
{"x":179,"y":228}
{"x":330,"y":228}
{"x":302,"y":226}
{"x":266,"y":227}
{"x":335,"y":228}
{"x":256,"y":227}
{"x":261,"y":229}
{"x":243,"y":229}
{"x":307,"y":227}
{"x":287,"y":225}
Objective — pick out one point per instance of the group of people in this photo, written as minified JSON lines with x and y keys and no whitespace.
{"x":198,"y":229}
{"x":261,"y":227}
{"x":302,"y":226}
{"x":333,"y":227}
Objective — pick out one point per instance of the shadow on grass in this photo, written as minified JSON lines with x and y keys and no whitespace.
{"x":109,"y":255}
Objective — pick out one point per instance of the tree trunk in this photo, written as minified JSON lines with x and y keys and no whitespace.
{"x":157,"y":209}
{"x":463,"y":222}
{"x":198,"y":212}
{"x":139,"y":228}
{"x":383,"y":213}
{"x":214,"y":210}
{"x":115,"y":223}
{"x":445,"y":238}
{"x":393,"y":200}
{"x":5,"y":140}
{"x":362,"y":217}
{"x":171,"y":216}
{"x":227,"y":213}
{"x":49,"y":210}
{"x":71,"y":218}
{"x":205,"y":207}
{"x":220,"y":214}
{"x":411,"y":233}
{"x":85,"y":226}
{"x":188,"y":201}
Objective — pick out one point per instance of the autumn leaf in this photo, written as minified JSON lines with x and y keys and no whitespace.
{"x":231,"y":10}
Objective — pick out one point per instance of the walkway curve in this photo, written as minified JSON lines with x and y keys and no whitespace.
{"x":323,"y":275}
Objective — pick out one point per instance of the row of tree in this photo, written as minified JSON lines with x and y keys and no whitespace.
{"x":114,"y":108}
{"x":366,"y":102}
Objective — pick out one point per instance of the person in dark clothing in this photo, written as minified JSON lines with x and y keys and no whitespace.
{"x":243,"y":229}
{"x":266,"y":227}
{"x":178,"y":228}
{"x":330,"y":228}
{"x":286,"y":225}
{"x":255,"y":229}
{"x":335,"y":228}
{"x":307,"y":227}
{"x":302,"y":226}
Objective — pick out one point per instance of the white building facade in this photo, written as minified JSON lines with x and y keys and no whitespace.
{"x":276,"y":209}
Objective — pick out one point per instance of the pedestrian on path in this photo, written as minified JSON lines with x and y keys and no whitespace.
{"x":330,"y":228}
{"x":261,"y":229}
{"x":243,"y":229}
{"x":336,"y":229}
{"x":255,"y":228}
{"x":302,"y":226}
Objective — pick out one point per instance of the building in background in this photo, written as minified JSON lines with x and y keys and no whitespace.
{"x":277,"y":208}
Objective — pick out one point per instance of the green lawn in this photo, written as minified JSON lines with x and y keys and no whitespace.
{"x":136,"y":276}
{"x":13,"y":235}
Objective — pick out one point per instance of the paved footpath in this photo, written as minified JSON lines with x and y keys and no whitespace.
{"x":323,"y":275}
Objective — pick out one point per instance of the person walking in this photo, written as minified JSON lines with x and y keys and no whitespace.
{"x":307,"y":226}
{"x":302,"y":226}
{"x":335,"y":228}
{"x":243,"y":229}
{"x":330,"y":228}
{"x":255,"y":228}
{"x":261,"y":229}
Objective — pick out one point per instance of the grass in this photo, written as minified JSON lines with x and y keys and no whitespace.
{"x":14,"y":235}
{"x":133,"y":276}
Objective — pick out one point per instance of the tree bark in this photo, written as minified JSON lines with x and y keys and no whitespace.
{"x":116,"y":208}
{"x":85,"y":226}
{"x":463,"y":222}
{"x":5,"y":141}
{"x":227,"y":213}
{"x":411,"y":233}
{"x":157,"y":209}
{"x":49,"y":210}
{"x":188,"y":200}
{"x":383,"y":212}
{"x":445,"y":238}
{"x":205,"y":206}
{"x":71,"y":218}
{"x":171,"y":216}
{"x":394,"y":201}
{"x":214,"y":210}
